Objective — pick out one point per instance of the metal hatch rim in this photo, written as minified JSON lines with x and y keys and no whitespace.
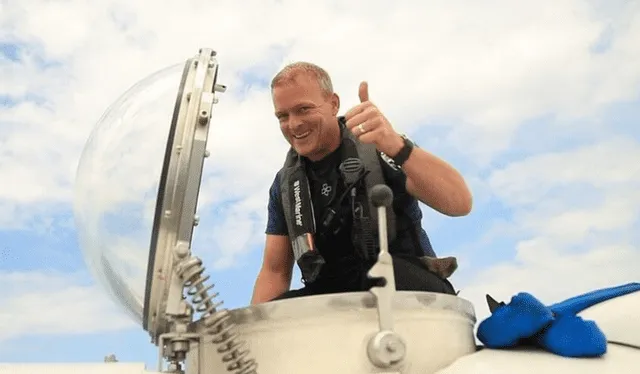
{"x":162,"y":187}
{"x":310,"y":306}
{"x":181,"y":184}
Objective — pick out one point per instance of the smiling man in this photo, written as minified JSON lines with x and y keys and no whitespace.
{"x":319,"y":215}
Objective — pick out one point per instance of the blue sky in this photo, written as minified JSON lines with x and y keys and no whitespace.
{"x":539,"y":111}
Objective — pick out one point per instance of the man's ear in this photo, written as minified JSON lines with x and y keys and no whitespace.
{"x":335,"y":104}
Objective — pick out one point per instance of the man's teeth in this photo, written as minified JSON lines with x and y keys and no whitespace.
{"x":303,"y":135}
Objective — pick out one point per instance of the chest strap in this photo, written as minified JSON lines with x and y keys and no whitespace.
{"x":299,"y":210}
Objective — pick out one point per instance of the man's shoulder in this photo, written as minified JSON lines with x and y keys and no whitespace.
{"x":276,"y":223}
{"x":275,"y":184}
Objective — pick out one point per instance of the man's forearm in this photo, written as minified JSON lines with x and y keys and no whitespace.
{"x":268,"y":286}
{"x":437,"y":184}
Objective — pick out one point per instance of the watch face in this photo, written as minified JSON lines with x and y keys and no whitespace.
{"x":389,"y":161}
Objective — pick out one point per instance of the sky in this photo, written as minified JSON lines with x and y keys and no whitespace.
{"x":535,"y":103}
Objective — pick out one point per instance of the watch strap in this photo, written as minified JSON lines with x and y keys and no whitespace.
{"x":404,"y":153}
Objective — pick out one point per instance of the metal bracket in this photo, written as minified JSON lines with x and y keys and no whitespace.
{"x":175,"y":269}
{"x":181,"y":340}
{"x":176,"y":214}
{"x":386,"y":348}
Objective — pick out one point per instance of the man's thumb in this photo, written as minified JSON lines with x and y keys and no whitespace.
{"x":363,"y":92}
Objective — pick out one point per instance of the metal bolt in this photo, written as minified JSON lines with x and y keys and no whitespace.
{"x":182,"y":250}
{"x":196,"y":220}
{"x":207,"y":153}
{"x":391,"y":346}
{"x":167,"y":213}
{"x":204,"y":119}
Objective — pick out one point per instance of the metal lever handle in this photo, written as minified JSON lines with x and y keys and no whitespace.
{"x":386,"y":348}
{"x":381,"y":197}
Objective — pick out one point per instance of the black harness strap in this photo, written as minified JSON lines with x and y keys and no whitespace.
{"x":361,"y":170}
{"x":366,"y":155}
{"x":299,"y":215}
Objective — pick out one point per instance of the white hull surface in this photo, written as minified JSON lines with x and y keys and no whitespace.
{"x":618,"y":360}
{"x":329,"y":334}
{"x":76,"y":368}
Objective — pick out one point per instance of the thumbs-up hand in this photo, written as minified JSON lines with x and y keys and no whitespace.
{"x":370,"y":126}
{"x":363,"y":92}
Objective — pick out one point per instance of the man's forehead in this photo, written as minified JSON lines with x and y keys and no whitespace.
{"x":291,"y":91}
{"x":285,"y":104}
{"x":300,"y":80}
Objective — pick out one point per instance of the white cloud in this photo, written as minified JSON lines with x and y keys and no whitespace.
{"x":571,"y":194}
{"x":568,"y":242}
{"x":36,"y":303}
{"x":487,"y":68}
{"x":609,"y":163}
{"x":551,"y":274}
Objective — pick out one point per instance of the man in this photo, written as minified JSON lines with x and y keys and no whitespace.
{"x":330,"y":234}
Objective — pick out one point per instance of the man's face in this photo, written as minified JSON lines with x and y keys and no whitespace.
{"x":307,"y":116}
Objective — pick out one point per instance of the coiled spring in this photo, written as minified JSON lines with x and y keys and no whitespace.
{"x":218,"y":322}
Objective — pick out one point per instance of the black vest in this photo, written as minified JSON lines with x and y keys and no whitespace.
{"x":358,"y":172}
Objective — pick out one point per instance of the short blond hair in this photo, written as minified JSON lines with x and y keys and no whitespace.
{"x":291,"y":71}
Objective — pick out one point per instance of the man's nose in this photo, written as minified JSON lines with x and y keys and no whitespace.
{"x":295,"y":124}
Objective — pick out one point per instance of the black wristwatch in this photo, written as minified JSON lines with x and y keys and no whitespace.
{"x":404,"y":153}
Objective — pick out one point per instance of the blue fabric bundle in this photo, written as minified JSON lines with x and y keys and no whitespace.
{"x":556,"y":328}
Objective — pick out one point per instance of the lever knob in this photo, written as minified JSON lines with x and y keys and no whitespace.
{"x":381,"y":195}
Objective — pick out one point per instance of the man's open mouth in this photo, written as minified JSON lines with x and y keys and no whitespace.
{"x":302,"y":135}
